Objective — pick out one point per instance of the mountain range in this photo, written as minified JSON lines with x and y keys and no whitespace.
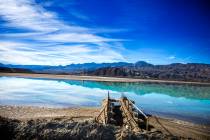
{"x":68,"y":69}
{"x":176,"y":71}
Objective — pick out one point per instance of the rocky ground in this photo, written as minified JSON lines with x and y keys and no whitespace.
{"x":65,"y":128}
{"x":78,"y":123}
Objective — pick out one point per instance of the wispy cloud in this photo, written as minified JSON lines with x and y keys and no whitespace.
{"x":23,"y":53}
{"x":171,"y":57}
{"x":79,"y":15}
{"x":45,"y":28}
{"x":25,"y":14}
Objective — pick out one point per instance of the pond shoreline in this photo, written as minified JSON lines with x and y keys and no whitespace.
{"x":175,"y":127}
{"x":97,"y":78}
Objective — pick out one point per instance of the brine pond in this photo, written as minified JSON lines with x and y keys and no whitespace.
{"x":185,"y":102}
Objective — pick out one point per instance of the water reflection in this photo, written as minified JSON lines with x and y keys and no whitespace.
{"x":176,"y":90}
{"x":20,"y":91}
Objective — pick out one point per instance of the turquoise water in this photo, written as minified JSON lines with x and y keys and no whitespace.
{"x":184,"y":102}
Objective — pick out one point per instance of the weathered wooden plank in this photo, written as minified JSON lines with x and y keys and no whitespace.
{"x":129,"y":117}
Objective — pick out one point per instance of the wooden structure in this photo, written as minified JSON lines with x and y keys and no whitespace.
{"x":122,"y":112}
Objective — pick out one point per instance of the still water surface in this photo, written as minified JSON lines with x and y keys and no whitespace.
{"x":184,"y":102}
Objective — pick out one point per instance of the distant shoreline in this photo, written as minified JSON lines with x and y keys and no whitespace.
{"x":97,"y":78}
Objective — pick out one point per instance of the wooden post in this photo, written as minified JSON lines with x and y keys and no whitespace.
{"x":128,"y":115}
{"x":104,"y":117}
{"x":107,"y":109}
{"x":147,"y":123}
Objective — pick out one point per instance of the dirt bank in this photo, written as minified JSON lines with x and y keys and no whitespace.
{"x":29,"y":112}
{"x":96,"y":78}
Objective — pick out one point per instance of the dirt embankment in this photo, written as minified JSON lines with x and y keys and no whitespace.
{"x":97,"y":78}
{"x":67,"y":128}
{"x":78,"y":123}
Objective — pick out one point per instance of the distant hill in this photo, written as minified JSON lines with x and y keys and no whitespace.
{"x":68,"y":69}
{"x":180,"y":72}
{"x":13,"y":70}
{"x":177,"y":71}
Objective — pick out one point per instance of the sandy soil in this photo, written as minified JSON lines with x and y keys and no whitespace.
{"x":29,"y":112}
{"x":170,"y":127}
{"x":95,"y":78}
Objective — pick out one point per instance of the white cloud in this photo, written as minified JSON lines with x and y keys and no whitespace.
{"x":24,"y":14}
{"x":46,"y":28}
{"x":27,"y":14}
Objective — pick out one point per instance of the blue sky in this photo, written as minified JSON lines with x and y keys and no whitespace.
{"x":55,"y":32}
